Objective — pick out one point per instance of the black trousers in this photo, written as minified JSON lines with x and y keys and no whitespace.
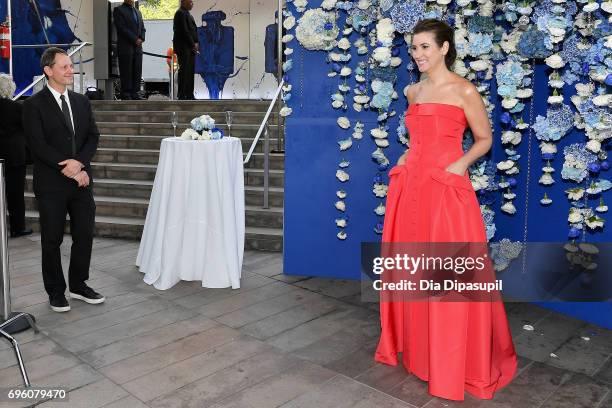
{"x":53,"y":207}
{"x":15,"y":180}
{"x":130,"y":71}
{"x":186,"y":60}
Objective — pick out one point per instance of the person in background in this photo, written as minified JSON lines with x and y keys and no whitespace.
{"x":13,"y":151}
{"x":130,"y":36}
{"x":186,"y":47}
{"x":62,"y":135}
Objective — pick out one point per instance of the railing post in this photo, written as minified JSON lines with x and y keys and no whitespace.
{"x":6,"y":284}
{"x":266,"y":180}
{"x":81,"y":70}
{"x":279,"y":68}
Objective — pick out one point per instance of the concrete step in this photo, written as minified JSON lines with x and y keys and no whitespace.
{"x":151,"y":156}
{"x":248,"y":118}
{"x":165,"y":129}
{"x":141,"y":189}
{"x":256,"y":238}
{"x":137,"y":208}
{"x":222,"y":105}
{"x":110,"y":141}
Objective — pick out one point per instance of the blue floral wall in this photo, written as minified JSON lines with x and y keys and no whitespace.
{"x":522,"y":184}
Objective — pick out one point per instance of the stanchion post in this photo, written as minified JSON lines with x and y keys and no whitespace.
{"x":6,"y":297}
{"x":266,"y":180}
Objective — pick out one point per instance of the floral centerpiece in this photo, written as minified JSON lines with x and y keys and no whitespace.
{"x":202,"y":128}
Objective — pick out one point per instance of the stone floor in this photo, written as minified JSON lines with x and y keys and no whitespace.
{"x":277,"y":341}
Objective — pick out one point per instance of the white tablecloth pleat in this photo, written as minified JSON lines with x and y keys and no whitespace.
{"x":195,"y":224}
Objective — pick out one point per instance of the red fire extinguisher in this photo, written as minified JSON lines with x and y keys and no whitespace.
{"x":5,"y":41}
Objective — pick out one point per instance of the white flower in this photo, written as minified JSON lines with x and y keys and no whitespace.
{"x":546,"y":179}
{"x":574,"y":217}
{"x":463,"y":3}
{"x":328,"y":4}
{"x":607,"y":6}
{"x":331,"y":74}
{"x":524,"y":93}
{"x":594,"y":146}
{"x":341,"y":235}
{"x":344,"y":44}
{"x":480,"y":182}
{"x":598,"y":75}
{"x":396,"y":62}
{"x":594,"y":222}
{"x":521,"y":125}
{"x":340,"y":205}
{"x":287,"y":38}
{"x":341,"y":194}
{"x":288,"y":51}
{"x":459,"y":68}
{"x":337,"y":104}
{"x":342,"y":175}
{"x":380,"y":210}
{"x":545,"y":201}
{"x":380,"y":190}
{"x":443,"y":2}
{"x":555,"y":61}
{"x":378,"y":133}
{"x":381,"y":142}
{"x":287,"y":87}
{"x":385,"y":31}
{"x":344,"y":88}
{"x":508,"y":208}
{"x":556,"y":83}
{"x":206,"y":135}
{"x":505,"y":165}
{"x":548,"y":169}
{"x":289,"y":22}
{"x":548,"y":147}
{"x":526,"y":10}
{"x":345,"y":71}
{"x":590,"y":7}
{"x":486,"y":9}
{"x":345,"y":144}
{"x":189,"y":134}
{"x":363,"y":4}
{"x":382,"y":55}
{"x":575,"y":193}
{"x":361,"y":98}
{"x":509,"y":103}
{"x":358,"y":108}
{"x":285,"y":111}
{"x":311,"y":33}
{"x":511,"y":137}
{"x":480,"y":65}
{"x":602,"y":100}
{"x":357,"y":134}
{"x":344,"y":122}
{"x":555,"y":99}
{"x":608,"y":43}
{"x":601,"y":208}
{"x":341,"y":222}
{"x":360,"y":78}
{"x":513,"y":170}
{"x":300,"y":5}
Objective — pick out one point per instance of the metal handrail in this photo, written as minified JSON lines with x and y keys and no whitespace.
{"x":70,"y":54}
{"x":263,"y":122}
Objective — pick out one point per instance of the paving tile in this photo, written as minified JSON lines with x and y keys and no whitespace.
{"x":604,"y":374}
{"x":531,"y":388}
{"x":468,"y":402}
{"x":134,"y":345}
{"x":520,"y":314}
{"x":38,"y":369}
{"x":156,"y":359}
{"x":93,"y":395}
{"x":332,"y":347}
{"x":412,"y":390}
{"x":550,"y":333}
{"x":128,"y":402}
{"x":579,"y":355}
{"x":261,"y":310}
{"x":289,"y":278}
{"x":336,"y":288}
{"x":279,"y":389}
{"x":225,"y":382}
{"x":29,"y":351}
{"x":355,"y":363}
{"x":580,"y":391}
{"x":607,"y":401}
{"x":340,"y":392}
{"x":383,"y":377}
{"x":171,"y":378}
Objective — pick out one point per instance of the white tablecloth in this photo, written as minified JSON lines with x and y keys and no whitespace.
{"x":195,"y":222}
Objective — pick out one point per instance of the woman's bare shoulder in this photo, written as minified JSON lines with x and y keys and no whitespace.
{"x":411,"y":90}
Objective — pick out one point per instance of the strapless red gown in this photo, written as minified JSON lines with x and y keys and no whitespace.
{"x":455,"y":346}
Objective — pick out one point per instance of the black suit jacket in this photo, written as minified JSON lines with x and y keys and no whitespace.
{"x":49,"y":138}
{"x":128,"y":30}
{"x":12,"y":140}
{"x":185,"y":30}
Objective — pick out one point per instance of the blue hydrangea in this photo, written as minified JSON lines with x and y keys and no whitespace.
{"x":577,"y":160}
{"x":344,"y":5}
{"x":479,"y":44}
{"x":381,"y":101}
{"x":509,"y":77}
{"x":402,"y":132}
{"x":532,"y":44}
{"x":405,"y":15}
{"x":557,"y":123}
{"x":481,"y":24}
{"x":572,"y":54}
{"x":488,"y":216}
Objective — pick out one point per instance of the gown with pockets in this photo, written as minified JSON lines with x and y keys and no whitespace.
{"x":454,"y":346}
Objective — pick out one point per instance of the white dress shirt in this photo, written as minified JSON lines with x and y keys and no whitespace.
{"x":57,"y":95}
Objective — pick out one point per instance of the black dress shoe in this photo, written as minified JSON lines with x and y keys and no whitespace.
{"x":87,"y":294}
{"x":22,"y":233}
{"x":59,"y":303}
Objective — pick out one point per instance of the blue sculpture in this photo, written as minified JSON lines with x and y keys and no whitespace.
{"x":28,"y":28}
{"x":215,"y":63}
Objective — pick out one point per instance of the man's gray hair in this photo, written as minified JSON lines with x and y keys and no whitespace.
{"x":7,"y":86}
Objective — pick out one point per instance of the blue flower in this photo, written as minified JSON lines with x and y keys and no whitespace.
{"x":573,"y":233}
{"x":479,"y":44}
{"x":605,"y":165}
{"x":512,"y":181}
{"x":505,"y":118}
{"x":594,"y":167}
{"x":532,"y":44}
{"x":481,"y":24}
{"x":557,"y":123}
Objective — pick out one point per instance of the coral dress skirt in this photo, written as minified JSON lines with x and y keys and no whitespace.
{"x":454,"y":346}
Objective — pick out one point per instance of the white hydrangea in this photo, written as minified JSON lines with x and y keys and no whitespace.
{"x":378,"y":133}
{"x":342,"y":175}
{"x":505,"y":165}
{"x":341,"y":222}
{"x":300,"y":5}
{"x":345,"y":71}
{"x":511,"y":137}
{"x":344,"y":122}
{"x":289,"y":23}
{"x":385,"y":31}
{"x":190,"y":134}
{"x":479,"y":182}
{"x":508,"y":208}
{"x":590,"y":7}
{"x":555,"y":61}
{"x":340,"y":205}
{"x":382,"y":55}
{"x":480,"y":65}
{"x":546,"y":179}
{"x":509,"y":103}
{"x":524,"y":93}
{"x":607,"y":6}
{"x":285,"y":111}
{"x":287,"y":38}
{"x":546,"y":147}
{"x":344,"y":44}
{"x":381,"y":142}
{"x":380,"y":190}
{"x":603,"y":100}
{"x":594,"y":146}
{"x":328,"y":4}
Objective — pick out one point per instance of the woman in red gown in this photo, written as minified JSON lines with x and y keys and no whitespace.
{"x":455,"y":346}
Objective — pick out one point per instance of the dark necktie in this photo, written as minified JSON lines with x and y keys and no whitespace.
{"x":66,"y":112}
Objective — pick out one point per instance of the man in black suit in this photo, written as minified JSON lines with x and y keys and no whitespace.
{"x":186,"y":46}
{"x":63,"y":137}
{"x":13,"y":151}
{"x":130,"y":36}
